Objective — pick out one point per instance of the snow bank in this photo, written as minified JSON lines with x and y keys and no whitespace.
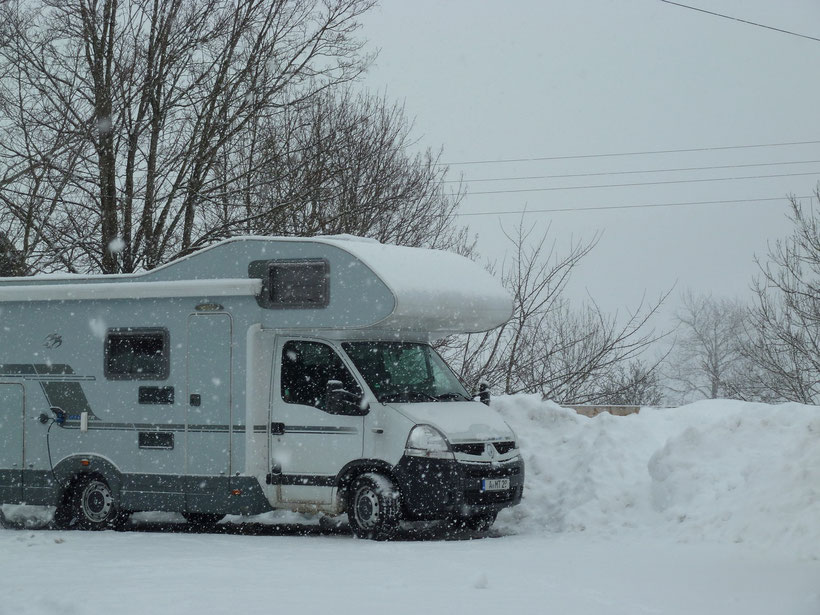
{"x":711,"y":471}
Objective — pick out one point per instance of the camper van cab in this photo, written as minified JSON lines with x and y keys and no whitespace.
{"x":257,"y":374}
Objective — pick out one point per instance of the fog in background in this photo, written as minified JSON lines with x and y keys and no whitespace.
{"x":490,"y":81}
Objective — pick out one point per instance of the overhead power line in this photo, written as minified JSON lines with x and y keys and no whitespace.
{"x":634,"y":184}
{"x":619,"y":154}
{"x":641,"y":172}
{"x":608,"y":207}
{"x":746,"y":21}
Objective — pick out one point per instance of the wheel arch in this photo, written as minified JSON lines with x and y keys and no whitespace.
{"x":354,"y":470}
{"x":71,"y":469}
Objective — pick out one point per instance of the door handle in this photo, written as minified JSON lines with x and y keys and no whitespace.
{"x":277,"y":429}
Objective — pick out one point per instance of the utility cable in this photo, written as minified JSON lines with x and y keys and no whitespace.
{"x":746,"y":21}
{"x":611,"y":207}
{"x":48,"y":448}
{"x":635,"y":184}
{"x":647,"y":171}
{"x":620,"y":154}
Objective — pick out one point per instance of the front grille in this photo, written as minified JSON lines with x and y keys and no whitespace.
{"x":477,"y":448}
{"x":473,"y":448}
{"x":487,"y":471}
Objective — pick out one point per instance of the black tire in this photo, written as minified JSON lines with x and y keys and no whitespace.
{"x":202,"y":520}
{"x":331,"y":524}
{"x":89,"y":504}
{"x":480,"y":523}
{"x":374,"y":507}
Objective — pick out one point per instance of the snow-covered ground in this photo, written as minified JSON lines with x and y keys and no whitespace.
{"x":709,"y":508}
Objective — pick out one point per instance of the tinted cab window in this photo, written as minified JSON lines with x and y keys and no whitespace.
{"x":307,"y":367}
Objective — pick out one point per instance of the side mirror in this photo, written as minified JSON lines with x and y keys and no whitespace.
{"x":340,"y":401}
{"x":484,"y":393}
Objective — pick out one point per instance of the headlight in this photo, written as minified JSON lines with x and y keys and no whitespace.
{"x":426,"y":441}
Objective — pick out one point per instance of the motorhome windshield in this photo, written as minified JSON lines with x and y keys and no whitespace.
{"x":405,"y":372}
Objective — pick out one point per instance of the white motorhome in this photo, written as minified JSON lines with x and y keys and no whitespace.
{"x":257,"y":374}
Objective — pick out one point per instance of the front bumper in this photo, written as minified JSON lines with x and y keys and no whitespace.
{"x":444,"y":488}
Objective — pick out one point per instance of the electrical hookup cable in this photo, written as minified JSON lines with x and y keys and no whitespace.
{"x":43,"y":419}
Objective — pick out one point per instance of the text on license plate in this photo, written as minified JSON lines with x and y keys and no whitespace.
{"x":495,"y":484}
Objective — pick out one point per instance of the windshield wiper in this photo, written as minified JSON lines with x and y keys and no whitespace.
{"x":420,"y":395}
{"x":452,"y":396}
{"x":407,"y":396}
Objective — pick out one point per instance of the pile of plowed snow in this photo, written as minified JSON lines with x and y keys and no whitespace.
{"x":714,"y":470}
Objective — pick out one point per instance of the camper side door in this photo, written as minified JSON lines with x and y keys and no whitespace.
{"x":312,"y":437}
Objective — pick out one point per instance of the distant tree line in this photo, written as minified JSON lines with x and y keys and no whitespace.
{"x":769,"y":348}
{"x":765,"y":349}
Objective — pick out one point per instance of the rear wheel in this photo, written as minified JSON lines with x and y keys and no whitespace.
{"x":89,"y":504}
{"x":373,"y":507}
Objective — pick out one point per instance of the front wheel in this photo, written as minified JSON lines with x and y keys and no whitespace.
{"x":480,"y":523}
{"x":374,"y":507}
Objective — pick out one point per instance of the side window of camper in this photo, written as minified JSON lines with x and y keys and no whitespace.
{"x":306,"y":369}
{"x":137,"y":354}
{"x":299,"y":284}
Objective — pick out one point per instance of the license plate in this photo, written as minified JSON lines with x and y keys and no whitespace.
{"x":495,"y":484}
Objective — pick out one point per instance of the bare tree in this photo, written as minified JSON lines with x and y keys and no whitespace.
{"x":582,"y":346}
{"x":707,"y":360}
{"x":536,"y":276}
{"x":12,"y":262}
{"x":548,"y":346}
{"x":115,"y":114}
{"x":340,"y":163}
{"x":635,"y":383}
{"x":784,"y":332}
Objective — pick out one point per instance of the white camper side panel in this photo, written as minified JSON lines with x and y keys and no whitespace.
{"x":11,"y":442}
{"x":259,"y":353}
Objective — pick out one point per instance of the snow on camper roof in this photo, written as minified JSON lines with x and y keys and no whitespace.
{"x":396,"y":287}
{"x":434,"y":290}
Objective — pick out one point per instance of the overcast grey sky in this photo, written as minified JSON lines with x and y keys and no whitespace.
{"x":489,"y":80}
